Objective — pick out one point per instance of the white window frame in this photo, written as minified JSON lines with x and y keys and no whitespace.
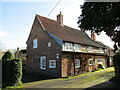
{"x":101,"y":50}
{"x":90,"y":61}
{"x":100,"y":61}
{"x":49,"y":44}
{"x":90,"y":49}
{"x":35,"y":43}
{"x":77,"y":63}
{"x":68,"y":46}
{"x":51,"y":62}
{"x":43,"y":64}
{"x":77,"y":47}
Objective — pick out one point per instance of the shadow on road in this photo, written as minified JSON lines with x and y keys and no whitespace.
{"x":27,"y":77}
{"x":108,"y":84}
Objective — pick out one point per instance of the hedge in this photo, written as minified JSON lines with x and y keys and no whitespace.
{"x":7,"y":56}
{"x":116,"y":61}
{"x":12,"y":72}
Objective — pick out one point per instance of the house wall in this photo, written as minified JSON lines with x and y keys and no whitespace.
{"x":34,"y":54}
{"x":68,"y":63}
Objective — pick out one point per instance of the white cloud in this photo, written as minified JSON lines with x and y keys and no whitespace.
{"x":3,"y":34}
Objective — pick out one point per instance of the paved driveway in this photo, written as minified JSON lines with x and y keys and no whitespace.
{"x":81,"y":81}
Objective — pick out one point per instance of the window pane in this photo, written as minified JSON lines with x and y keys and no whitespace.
{"x":52,"y":63}
{"x":77,"y":63}
{"x":43,"y":62}
{"x":91,"y":62}
{"x":35,"y":43}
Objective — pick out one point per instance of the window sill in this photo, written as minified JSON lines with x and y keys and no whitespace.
{"x":91,"y":64}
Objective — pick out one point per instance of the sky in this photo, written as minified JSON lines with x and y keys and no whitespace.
{"x":17,"y":17}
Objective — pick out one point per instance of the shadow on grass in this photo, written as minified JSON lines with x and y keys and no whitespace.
{"x":28,"y":77}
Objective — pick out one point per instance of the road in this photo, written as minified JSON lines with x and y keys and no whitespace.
{"x":80,"y":81}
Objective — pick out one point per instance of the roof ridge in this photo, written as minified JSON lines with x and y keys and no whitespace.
{"x":56,"y":22}
{"x":45,"y":17}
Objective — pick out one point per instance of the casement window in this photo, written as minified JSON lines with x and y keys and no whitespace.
{"x":90,"y":49}
{"x":100,"y":61}
{"x":101,"y":50}
{"x":35,"y":43}
{"x":49,"y":44}
{"x":91,"y":62}
{"x":68,"y":46}
{"x":77,"y":63}
{"x":43,"y":62}
{"x":77,"y":47}
{"x":52,"y":63}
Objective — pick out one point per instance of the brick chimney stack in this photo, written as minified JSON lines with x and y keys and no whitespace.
{"x":93,"y":36}
{"x":60,"y":19}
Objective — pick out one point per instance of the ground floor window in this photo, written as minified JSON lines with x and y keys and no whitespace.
{"x":91,"y":62}
{"x":52,"y":63}
{"x":77,"y":63}
{"x":100,"y":61}
{"x":43,"y":62}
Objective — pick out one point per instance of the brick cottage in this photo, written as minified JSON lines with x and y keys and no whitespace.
{"x":56,"y":50}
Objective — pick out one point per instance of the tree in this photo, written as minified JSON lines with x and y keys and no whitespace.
{"x":98,"y":16}
{"x":7,"y":56}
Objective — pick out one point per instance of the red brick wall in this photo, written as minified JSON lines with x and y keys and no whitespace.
{"x":68,"y":68}
{"x":33,"y":54}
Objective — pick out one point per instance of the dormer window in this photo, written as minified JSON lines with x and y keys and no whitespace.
{"x":101,"y":50}
{"x":35,"y":43}
{"x":68,"y":46}
{"x":77,"y":47}
{"x":90,"y":49}
{"x":49,"y":44}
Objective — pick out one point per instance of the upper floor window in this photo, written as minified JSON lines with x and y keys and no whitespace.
{"x":49,"y":44}
{"x":77,"y":63}
{"x":91,"y":62}
{"x":90,"y":49}
{"x":35,"y":43}
{"x":77,"y":47}
{"x":101,"y":50}
{"x":68,"y":46}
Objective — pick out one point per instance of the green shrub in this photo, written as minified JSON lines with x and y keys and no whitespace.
{"x":12,"y":72}
{"x":116,"y":62}
{"x":7,"y":56}
{"x":100,"y":66}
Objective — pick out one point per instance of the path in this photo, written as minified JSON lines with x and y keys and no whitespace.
{"x":81,"y":81}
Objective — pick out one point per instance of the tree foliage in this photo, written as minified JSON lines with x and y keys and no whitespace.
{"x":116,"y":61}
{"x":7,"y":56}
{"x":11,"y":72}
{"x":98,"y":16}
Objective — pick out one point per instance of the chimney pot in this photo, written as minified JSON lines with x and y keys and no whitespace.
{"x":60,"y":18}
{"x":93,"y":36}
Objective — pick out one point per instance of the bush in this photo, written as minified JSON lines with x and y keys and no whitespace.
{"x":116,"y":62}
{"x":7,"y":56}
{"x":12,"y":72}
{"x":100,"y":66}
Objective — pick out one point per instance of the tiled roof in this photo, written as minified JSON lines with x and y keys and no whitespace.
{"x":66,"y":33}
